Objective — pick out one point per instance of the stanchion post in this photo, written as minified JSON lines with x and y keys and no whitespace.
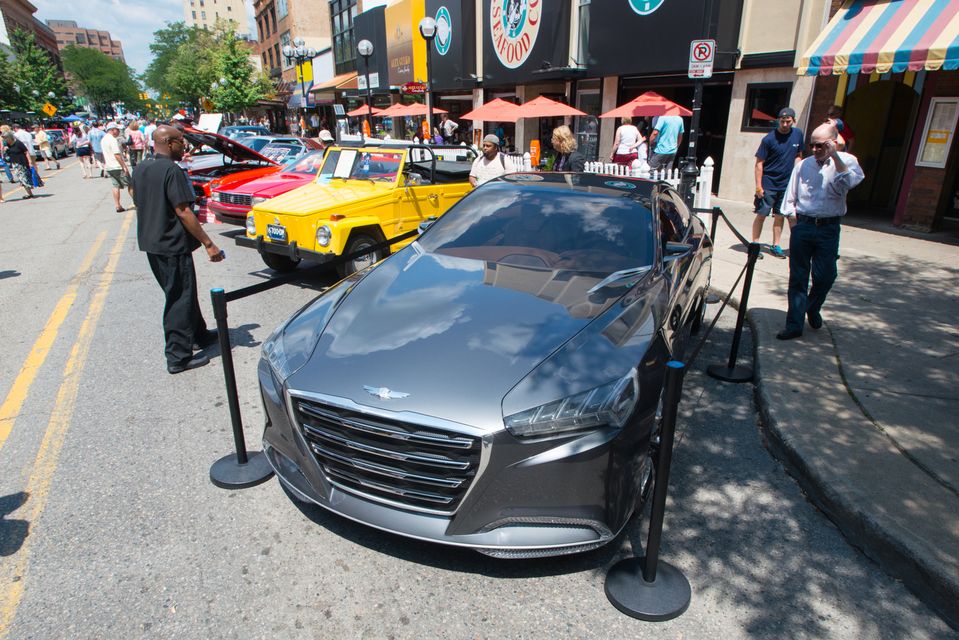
{"x":717,"y":213}
{"x":242,"y":469}
{"x":648,"y":588}
{"x":731,"y":372}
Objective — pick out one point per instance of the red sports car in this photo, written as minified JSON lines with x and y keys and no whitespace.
{"x":231,"y":202}
{"x":230,"y":163}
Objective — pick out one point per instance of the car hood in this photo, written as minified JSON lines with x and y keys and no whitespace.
{"x":221,"y":144}
{"x":272,"y":185}
{"x":314,"y":197}
{"x":454,"y":334}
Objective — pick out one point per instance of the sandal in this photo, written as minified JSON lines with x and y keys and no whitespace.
{"x":120,"y":209}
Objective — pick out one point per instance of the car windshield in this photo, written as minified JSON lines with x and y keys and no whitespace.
{"x":281,"y":151}
{"x":378,"y":166}
{"x":309,"y":163}
{"x":256,"y":143}
{"x":552,"y":226}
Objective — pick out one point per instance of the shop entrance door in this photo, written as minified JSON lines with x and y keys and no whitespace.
{"x":882,"y":114}
{"x":586,"y":128}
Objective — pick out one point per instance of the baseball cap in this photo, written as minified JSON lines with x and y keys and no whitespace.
{"x":492,"y":138}
{"x":787,"y":112}
{"x":112,"y":125}
{"x":326,"y":136}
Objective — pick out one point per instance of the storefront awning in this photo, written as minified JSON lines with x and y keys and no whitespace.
{"x":879,"y":36}
{"x":341,"y":82}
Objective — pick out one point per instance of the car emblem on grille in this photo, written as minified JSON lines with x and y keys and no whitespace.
{"x":385,"y":394}
{"x":276,"y":220}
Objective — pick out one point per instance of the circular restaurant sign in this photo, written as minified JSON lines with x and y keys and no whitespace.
{"x":514,"y":25}
{"x":444,"y":31}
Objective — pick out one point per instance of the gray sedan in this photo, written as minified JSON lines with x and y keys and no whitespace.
{"x":495,"y":384}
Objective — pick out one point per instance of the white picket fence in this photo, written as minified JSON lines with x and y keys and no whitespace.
{"x":703,"y":191}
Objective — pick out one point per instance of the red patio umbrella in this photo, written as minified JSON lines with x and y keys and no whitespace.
{"x":497,"y":110}
{"x":419,"y":109}
{"x":543,"y":107}
{"x":759,"y":115}
{"x":392,"y":111}
{"x":648,"y":104}
{"x":362,"y":111}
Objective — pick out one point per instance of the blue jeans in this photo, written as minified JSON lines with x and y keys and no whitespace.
{"x":7,"y":170}
{"x":816,"y":247}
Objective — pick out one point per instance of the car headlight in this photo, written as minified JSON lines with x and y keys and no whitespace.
{"x":259,"y":200}
{"x":251,"y":225}
{"x":275,"y":354}
{"x":610,"y":404}
{"x":216,"y":196}
{"x":323,"y":236}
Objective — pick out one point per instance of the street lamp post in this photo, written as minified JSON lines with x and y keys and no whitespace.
{"x":300,"y":53}
{"x":365,"y":49}
{"x":428,"y":31}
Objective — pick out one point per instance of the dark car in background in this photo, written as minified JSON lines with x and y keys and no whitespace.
{"x":495,"y":384}
{"x":280,"y":148}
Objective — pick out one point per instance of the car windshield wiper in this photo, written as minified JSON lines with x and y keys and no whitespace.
{"x":620,"y":278}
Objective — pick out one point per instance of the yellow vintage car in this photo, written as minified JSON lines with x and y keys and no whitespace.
{"x":361,"y":197}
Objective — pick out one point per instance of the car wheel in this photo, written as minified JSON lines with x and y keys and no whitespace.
{"x":359,"y":242}
{"x":282,"y":264}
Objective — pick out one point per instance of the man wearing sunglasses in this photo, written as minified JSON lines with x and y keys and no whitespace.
{"x":816,"y":196}
{"x":778,"y":153}
{"x":169,"y":232}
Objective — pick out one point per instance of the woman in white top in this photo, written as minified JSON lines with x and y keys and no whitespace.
{"x":626,"y":142}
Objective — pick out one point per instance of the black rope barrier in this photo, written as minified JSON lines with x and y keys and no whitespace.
{"x":244,"y":468}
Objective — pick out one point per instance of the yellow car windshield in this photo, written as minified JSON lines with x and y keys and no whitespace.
{"x":359,"y":164}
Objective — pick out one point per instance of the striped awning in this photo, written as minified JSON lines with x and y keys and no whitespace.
{"x":879,"y":36}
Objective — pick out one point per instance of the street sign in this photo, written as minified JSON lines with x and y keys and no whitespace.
{"x":413,"y":88}
{"x":701,"y":56}
{"x":49,"y":109}
{"x":374,"y":81}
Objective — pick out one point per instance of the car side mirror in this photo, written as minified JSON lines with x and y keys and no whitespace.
{"x":675,"y":250}
{"x":426,"y":224}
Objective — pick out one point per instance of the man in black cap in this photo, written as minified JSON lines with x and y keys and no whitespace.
{"x":778,"y":153}
{"x":169,"y":232}
{"x":492,"y":164}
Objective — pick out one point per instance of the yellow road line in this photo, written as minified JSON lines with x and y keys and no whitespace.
{"x":45,"y":465}
{"x":38,"y":354}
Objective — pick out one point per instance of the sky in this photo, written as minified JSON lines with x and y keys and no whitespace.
{"x":132,"y":22}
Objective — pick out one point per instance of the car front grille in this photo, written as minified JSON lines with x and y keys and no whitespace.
{"x":238,"y":199}
{"x":404,"y":463}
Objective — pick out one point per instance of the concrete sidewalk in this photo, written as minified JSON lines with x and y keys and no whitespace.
{"x":865,"y":411}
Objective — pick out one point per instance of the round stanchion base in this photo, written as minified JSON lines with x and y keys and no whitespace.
{"x":713,"y":298}
{"x":665,"y":598}
{"x":227,"y":473}
{"x":739,"y":373}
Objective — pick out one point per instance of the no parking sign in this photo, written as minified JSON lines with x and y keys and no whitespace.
{"x":701,"y":56}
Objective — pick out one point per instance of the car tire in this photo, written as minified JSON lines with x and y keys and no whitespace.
{"x":358,"y":242}
{"x":282,"y":264}
{"x":699,"y":315}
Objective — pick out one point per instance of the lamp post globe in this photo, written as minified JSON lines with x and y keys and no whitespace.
{"x":428,"y":31}
{"x":287,"y":51}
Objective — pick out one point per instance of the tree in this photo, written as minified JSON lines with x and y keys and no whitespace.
{"x":238,"y":86}
{"x":36,"y":75}
{"x":165,"y":49}
{"x":9,"y":97}
{"x":191,"y":72}
{"x":99,"y":78}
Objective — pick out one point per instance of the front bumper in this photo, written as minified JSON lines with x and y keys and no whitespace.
{"x":526,"y":499}
{"x":291,"y":250}
{"x":229,"y":214}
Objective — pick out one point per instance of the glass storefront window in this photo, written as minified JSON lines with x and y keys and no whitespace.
{"x":763,"y":102}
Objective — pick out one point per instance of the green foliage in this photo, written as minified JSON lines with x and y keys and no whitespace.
{"x":99,"y":78}
{"x":35,"y":74}
{"x":8,"y":94}
{"x":188,"y":60}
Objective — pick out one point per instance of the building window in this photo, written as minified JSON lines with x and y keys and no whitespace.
{"x":273,"y":17}
{"x":276,"y":53}
{"x":763,"y":102}
{"x":271,"y":58}
{"x":281,"y":9}
{"x":203,"y":14}
{"x":285,"y":40}
{"x":264,"y":61}
{"x":344,"y":46}
{"x":194,"y":15}
{"x":229,"y":7}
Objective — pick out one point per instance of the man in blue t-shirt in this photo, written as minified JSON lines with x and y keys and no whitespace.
{"x":664,"y":141}
{"x":778,"y":152}
{"x":96,"y":142}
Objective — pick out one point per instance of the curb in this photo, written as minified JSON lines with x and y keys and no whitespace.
{"x":899,"y":554}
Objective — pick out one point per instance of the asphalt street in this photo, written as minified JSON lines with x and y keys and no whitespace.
{"x":111,"y":528}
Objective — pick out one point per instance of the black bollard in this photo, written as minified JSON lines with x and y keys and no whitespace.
{"x":731,"y":372}
{"x":647,"y":588}
{"x":244,"y":469}
{"x":712,"y":298}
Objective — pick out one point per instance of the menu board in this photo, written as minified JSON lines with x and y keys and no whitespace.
{"x":939,"y":131}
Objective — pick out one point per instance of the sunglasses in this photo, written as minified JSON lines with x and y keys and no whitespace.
{"x":817,"y":145}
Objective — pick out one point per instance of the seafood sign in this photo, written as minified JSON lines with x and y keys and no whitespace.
{"x":514,"y":25}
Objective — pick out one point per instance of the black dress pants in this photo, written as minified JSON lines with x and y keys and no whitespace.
{"x":182,"y":319}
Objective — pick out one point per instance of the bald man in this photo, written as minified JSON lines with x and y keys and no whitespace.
{"x":168,"y":232}
{"x":816,"y":197}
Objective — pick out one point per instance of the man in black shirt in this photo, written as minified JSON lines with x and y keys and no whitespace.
{"x":169,"y":232}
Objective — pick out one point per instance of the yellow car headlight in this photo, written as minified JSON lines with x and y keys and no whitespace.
{"x":323,"y":236}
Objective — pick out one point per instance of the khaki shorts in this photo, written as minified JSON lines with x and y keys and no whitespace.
{"x":118,"y":178}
